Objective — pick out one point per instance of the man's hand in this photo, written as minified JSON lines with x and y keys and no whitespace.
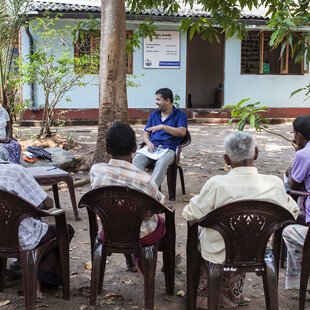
{"x":156,"y":128}
{"x":150,"y":146}
{"x":48,"y":203}
{"x":5,"y":140}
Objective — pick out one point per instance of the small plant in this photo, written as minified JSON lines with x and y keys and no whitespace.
{"x":248,"y":114}
{"x":176,"y":101}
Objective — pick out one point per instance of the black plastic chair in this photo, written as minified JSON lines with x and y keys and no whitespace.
{"x":121,"y":211}
{"x":246,"y":227}
{"x":13,"y":210}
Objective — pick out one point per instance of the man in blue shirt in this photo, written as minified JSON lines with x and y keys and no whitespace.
{"x":165,"y":129}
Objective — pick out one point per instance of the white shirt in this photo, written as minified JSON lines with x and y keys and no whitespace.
{"x":4,"y":117}
{"x":242,"y":183}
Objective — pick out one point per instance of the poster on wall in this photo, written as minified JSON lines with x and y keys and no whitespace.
{"x":163,"y":51}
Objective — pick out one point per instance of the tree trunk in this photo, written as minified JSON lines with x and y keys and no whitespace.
{"x":46,"y":126}
{"x":113,"y":95}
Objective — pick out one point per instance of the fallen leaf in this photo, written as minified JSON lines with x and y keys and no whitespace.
{"x":111,"y":298}
{"x":83,"y":307}
{"x":75,"y":257}
{"x":88,"y":265}
{"x":83,"y":242}
{"x":5,"y":302}
{"x":128,"y":282}
{"x":181,"y":293}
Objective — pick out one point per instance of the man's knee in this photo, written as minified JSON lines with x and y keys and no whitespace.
{"x":140,"y":161}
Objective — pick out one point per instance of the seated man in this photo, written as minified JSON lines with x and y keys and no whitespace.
{"x":165,"y":129}
{"x":241,"y":183}
{"x":121,"y":144}
{"x":33,"y":232}
{"x":298,"y":179}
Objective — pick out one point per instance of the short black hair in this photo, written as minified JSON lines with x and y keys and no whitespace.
{"x":166,"y":93}
{"x":121,"y":140}
{"x":301,"y":124}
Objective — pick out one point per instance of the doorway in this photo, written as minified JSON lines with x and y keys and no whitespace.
{"x":205,"y":75}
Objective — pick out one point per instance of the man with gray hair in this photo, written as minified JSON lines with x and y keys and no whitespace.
{"x":243,"y":182}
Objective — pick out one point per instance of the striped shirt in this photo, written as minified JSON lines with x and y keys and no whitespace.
{"x":123,"y":173}
{"x":15,"y":179}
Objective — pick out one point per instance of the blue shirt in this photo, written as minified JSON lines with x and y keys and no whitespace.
{"x":177,"y":118}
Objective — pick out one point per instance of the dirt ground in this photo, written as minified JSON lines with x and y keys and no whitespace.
{"x":124,"y":290}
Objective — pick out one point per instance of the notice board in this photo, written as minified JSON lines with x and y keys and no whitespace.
{"x":163,"y":51}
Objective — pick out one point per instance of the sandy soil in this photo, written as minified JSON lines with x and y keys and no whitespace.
{"x":124,"y":290}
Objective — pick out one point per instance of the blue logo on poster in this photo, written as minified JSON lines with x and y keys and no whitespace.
{"x":148,"y":62}
{"x":169,"y":63}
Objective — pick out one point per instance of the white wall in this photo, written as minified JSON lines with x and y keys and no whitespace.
{"x":271,"y":90}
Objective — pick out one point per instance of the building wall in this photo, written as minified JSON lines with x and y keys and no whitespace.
{"x":149,"y":80}
{"x":271,"y":90}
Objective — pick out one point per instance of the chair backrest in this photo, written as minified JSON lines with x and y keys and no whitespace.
{"x":13,"y":210}
{"x":121,"y":211}
{"x":246,"y":227}
{"x":186,"y":140}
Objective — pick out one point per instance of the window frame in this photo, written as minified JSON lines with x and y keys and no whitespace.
{"x":283,"y":61}
{"x":93,"y":47}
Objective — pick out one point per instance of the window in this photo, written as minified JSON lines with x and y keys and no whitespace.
{"x":257,"y":57}
{"x":87,"y":52}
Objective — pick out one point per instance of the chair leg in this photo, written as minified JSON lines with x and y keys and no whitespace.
{"x":270,"y":281}
{"x":2,"y":272}
{"x":172,"y":181}
{"x":304,"y":275}
{"x":169,"y":253}
{"x":215,"y":273}
{"x":56,"y":195}
{"x":29,"y":268}
{"x":95,"y":276}
{"x":182,"y":179}
{"x":149,"y":260}
{"x":70,"y":185}
{"x":192,"y":280}
{"x":65,"y":271}
{"x":102,"y":270}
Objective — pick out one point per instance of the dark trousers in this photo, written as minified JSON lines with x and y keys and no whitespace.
{"x":49,"y":270}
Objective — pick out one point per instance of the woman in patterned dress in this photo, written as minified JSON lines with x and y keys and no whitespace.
{"x":12,"y":146}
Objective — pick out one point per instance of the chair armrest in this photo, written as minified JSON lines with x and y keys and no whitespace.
{"x":171,"y":209}
{"x":56,"y":212}
{"x":298,"y":193}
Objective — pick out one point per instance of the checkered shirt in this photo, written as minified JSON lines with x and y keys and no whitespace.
{"x":15,"y":179}
{"x":123,"y":173}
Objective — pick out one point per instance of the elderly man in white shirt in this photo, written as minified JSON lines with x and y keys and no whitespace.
{"x":241,"y":183}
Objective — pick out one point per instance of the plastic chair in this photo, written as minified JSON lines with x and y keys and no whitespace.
{"x":300,"y":220}
{"x":13,"y":210}
{"x":175,"y":167}
{"x":121,"y":211}
{"x":246,"y":227}
{"x":305,"y":263}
